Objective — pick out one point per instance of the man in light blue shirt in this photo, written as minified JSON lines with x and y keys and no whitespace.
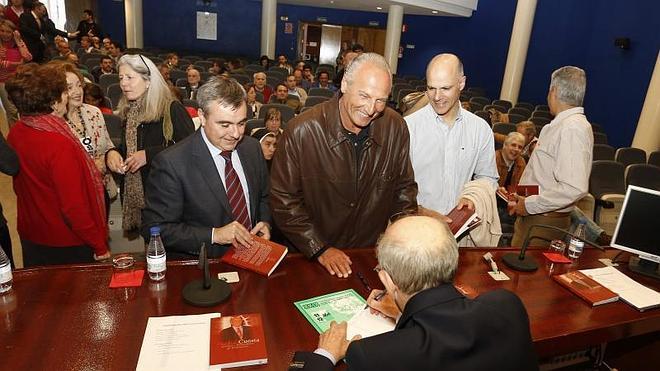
{"x":449,"y":146}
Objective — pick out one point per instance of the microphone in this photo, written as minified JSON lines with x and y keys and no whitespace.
{"x":208,"y":291}
{"x":523,"y":263}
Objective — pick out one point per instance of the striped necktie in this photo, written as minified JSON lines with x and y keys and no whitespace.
{"x":235,"y":193}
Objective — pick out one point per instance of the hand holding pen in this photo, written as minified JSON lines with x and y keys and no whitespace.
{"x":382,"y":303}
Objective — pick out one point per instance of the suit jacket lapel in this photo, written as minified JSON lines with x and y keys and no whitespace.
{"x":250,"y":177}
{"x":206,"y":165}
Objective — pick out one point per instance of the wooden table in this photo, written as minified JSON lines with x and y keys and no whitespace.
{"x":66,"y":318}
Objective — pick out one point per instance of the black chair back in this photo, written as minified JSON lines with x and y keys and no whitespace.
{"x":629,"y":156}
{"x":607,"y":177}
{"x":643,"y":175}
{"x":114,"y":125}
{"x":603,"y":152}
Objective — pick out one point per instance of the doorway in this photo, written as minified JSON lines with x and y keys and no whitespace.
{"x":321,"y":43}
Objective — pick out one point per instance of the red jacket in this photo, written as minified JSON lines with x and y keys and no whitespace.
{"x":52,"y":195}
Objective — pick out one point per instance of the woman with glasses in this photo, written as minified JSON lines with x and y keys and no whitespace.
{"x":153,"y":120}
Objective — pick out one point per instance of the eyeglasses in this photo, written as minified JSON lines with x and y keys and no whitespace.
{"x":378,"y":268}
{"x":145,"y":64}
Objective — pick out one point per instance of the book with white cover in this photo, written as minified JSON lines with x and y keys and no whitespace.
{"x":629,"y":290}
{"x":176,"y":343}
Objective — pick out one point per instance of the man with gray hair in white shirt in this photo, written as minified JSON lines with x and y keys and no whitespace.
{"x":449,"y":146}
{"x":561,"y":162}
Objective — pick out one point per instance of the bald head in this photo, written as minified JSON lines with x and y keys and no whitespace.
{"x":445,"y":81}
{"x":448,"y":63}
{"x":418,"y":252}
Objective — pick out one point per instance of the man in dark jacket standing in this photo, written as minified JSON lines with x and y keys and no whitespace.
{"x":342,"y":169}
{"x":438,"y":328}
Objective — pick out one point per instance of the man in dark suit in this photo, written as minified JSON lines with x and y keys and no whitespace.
{"x":438,"y":328}
{"x":189,"y":183}
{"x":36,"y":29}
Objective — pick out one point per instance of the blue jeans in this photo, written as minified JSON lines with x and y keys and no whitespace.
{"x":592,"y":230}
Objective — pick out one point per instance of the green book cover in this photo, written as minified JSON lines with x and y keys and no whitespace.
{"x":338,"y":306}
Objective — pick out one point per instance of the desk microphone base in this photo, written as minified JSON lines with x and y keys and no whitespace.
{"x":195,"y":294}
{"x":513,"y":261}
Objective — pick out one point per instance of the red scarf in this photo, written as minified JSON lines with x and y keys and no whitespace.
{"x":93,"y":177}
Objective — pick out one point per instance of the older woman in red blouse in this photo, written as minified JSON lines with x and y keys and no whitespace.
{"x":59,"y":190}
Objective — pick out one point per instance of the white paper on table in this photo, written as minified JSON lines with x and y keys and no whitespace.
{"x":176,"y":343}
{"x":366,"y":324}
{"x":630,"y":291}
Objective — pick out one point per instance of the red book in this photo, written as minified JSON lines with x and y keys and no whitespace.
{"x":526,"y":190}
{"x":262,"y":257}
{"x":237,"y":341}
{"x":460,"y":220}
{"x":586,"y":288}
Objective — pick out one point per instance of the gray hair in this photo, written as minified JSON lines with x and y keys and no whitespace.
{"x":366,"y":58}
{"x":254,"y":76}
{"x":570,"y":84}
{"x":514,"y":135}
{"x":158,"y":97}
{"x":415,"y":266}
{"x":223,"y":91}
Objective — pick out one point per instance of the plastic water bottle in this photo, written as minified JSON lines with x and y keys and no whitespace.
{"x":576,"y":246}
{"x":156,"y":266}
{"x":6,"y":278}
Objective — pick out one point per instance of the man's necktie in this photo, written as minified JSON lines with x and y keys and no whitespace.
{"x":235,"y":193}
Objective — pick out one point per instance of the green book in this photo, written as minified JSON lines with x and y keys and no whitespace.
{"x":338,"y":306}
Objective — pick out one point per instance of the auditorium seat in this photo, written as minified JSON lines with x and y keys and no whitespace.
{"x":402,"y":94}
{"x":516,"y":118}
{"x":607,"y":185}
{"x":544,"y":114}
{"x":397,"y":87}
{"x":520,"y":111}
{"x":480,"y":99}
{"x":242,"y":79}
{"x":540,"y":120}
{"x":504,"y":103}
{"x":542,"y":107}
{"x":193,"y":58}
{"x":177,"y":74}
{"x":203,"y":65}
{"x":314,"y":100}
{"x":629,"y":155}
{"x":318,"y":92}
{"x":114,"y":93}
{"x":107,"y":80}
{"x":596,"y":128}
{"x":91,"y":62}
{"x":643,"y":175}
{"x":273,"y":80}
{"x":603,"y":152}
{"x":600,"y":138}
{"x":113,"y":123}
{"x":528,"y":106}
{"x":474,"y":106}
{"x":654,"y":158}
{"x":287,"y":112}
{"x":253,"y":124}
{"x":252,"y":68}
{"x":503,"y":128}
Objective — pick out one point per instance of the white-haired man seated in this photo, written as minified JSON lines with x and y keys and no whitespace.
{"x":437,"y":327}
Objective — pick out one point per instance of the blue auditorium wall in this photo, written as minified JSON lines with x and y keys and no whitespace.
{"x":582,"y":33}
{"x":565,"y":32}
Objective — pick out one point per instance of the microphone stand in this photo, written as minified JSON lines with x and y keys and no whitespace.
{"x":523,"y":263}
{"x":208,"y":291}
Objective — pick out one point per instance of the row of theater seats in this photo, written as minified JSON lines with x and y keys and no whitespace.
{"x":610,"y":178}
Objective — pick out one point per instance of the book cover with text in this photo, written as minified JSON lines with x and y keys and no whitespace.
{"x":237,"y":341}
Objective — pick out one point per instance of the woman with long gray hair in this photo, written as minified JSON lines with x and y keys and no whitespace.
{"x":153,"y":120}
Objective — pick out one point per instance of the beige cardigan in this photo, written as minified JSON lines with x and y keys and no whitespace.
{"x":482,"y":194}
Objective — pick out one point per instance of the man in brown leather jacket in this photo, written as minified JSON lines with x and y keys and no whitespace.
{"x":342,"y":169}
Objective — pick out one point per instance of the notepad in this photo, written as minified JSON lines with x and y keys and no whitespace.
{"x":367,"y":324}
{"x":127,"y":279}
{"x":630,"y":291}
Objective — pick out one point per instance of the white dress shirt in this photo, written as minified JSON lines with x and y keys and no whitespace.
{"x":560,"y":164}
{"x":220,"y":166}
{"x":445,"y":158}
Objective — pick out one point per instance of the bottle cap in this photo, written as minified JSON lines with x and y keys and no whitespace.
{"x":154,"y":230}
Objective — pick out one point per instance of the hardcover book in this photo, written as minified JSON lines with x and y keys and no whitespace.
{"x":586,"y":288}
{"x":262,"y":257}
{"x":462,"y":220}
{"x":237,"y":341}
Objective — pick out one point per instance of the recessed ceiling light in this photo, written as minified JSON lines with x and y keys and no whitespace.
{"x":332,"y":2}
{"x":379,"y":8}
{"x":434,"y":11}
